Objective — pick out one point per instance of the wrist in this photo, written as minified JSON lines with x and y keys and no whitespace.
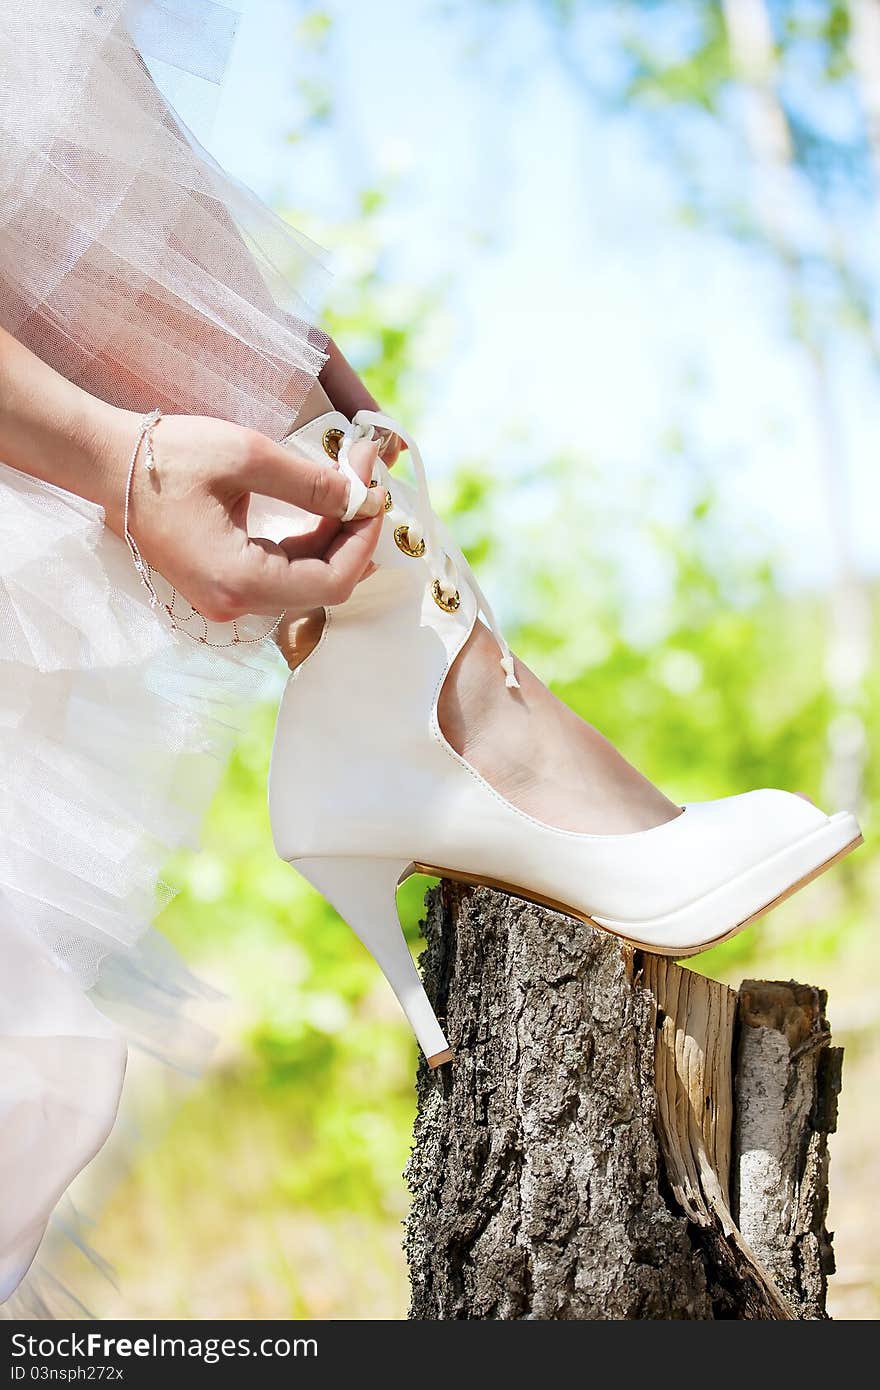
{"x":105,"y":435}
{"x":53,"y":429}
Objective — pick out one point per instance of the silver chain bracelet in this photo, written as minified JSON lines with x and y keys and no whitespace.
{"x":179,"y":622}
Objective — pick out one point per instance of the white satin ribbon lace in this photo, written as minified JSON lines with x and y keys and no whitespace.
{"x":445,"y":563}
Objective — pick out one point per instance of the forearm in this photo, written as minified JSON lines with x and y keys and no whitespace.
{"x":54,"y":430}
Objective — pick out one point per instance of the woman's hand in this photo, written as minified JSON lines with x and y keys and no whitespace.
{"x":189,"y":516}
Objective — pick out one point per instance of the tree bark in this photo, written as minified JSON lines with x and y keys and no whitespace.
{"x":575,"y":1160}
{"x":788,"y":1083}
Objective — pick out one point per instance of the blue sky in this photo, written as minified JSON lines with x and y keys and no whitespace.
{"x":577,"y":308}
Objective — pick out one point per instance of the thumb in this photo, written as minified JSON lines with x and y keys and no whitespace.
{"x":289,"y":476}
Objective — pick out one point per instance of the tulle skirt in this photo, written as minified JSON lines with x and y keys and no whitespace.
{"x":113,"y":733}
{"x":134,"y":265}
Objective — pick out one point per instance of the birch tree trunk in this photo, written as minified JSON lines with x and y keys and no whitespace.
{"x":777,"y":202}
{"x":616,"y":1137}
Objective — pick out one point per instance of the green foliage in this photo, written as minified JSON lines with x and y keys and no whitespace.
{"x":695,"y":75}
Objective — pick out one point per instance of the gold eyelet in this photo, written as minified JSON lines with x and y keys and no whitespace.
{"x":449,"y":605}
{"x":374,"y":482}
{"x":332,"y":442}
{"x":388,"y":502}
{"x":401,"y":535}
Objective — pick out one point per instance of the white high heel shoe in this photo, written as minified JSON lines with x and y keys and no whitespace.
{"x":360,"y":803}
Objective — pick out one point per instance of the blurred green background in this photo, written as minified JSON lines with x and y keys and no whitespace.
{"x":704,"y":591}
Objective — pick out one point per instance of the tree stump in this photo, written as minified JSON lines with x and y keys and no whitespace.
{"x":617,"y":1137}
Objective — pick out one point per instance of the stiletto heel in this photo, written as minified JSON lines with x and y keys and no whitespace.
{"x":363,"y":893}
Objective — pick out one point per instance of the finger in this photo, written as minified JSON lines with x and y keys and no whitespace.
{"x":313,"y":542}
{"x":315,"y":487}
{"x":349,"y":394}
{"x":345,"y":563}
{"x":266,"y":581}
{"x":290,"y":477}
{"x":390,"y":449}
{"x":362,"y":460}
{"x":362,"y":457}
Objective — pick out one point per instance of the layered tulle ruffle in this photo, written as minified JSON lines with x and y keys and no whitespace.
{"x":113,"y":734}
{"x":128,"y":259}
{"x":133,"y":264}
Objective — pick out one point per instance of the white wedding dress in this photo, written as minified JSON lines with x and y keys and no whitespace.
{"x":133,"y":265}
